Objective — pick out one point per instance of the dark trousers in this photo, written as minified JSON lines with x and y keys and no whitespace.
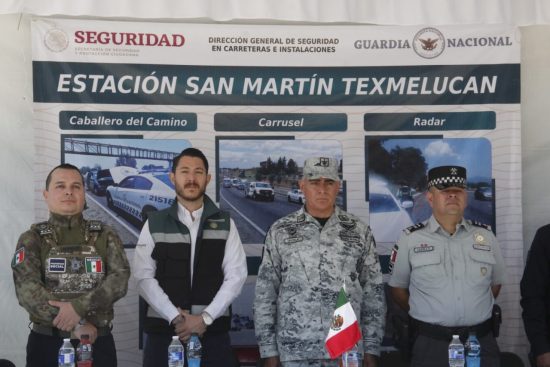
{"x":429,"y":352}
{"x":216,"y":350}
{"x":42,"y":350}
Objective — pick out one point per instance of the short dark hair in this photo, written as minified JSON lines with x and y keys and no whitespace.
{"x":62,"y":166}
{"x":190,"y":152}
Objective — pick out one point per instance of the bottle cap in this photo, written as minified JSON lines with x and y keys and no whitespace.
{"x":66,"y":339}
{"x":175,"y":337}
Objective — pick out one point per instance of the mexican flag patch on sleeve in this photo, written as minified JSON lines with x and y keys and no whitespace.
{"x":18,"y":257}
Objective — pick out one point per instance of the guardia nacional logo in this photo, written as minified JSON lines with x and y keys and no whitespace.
{"x":429,"y":43}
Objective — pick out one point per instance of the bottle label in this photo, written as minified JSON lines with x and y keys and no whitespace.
{"x":65,"y":358}
{"x":474,"y":350}
{"x":84,"y":352}
{"x":176,"y":356}
{"x":351,"y":359}
{"x":456,"y":354}
{"x":194,"y":362}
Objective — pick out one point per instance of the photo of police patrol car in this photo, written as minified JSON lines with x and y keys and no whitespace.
{"x":140,"y":194}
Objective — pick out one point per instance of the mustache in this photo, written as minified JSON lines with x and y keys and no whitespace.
{"x":191,"y":184}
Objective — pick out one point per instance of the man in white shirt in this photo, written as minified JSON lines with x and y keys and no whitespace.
{"x":189,"y":266}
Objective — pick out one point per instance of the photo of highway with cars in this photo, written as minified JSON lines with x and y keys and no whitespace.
{"x":125,"y":178}
{"x":258,"y":181}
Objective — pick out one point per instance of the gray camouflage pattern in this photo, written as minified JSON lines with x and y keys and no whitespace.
{"x":315,"y":168}
{"x":95,"y":305}
{"x":302,"y":271}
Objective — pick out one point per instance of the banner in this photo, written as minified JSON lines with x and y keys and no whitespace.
{"x":121,"y":99}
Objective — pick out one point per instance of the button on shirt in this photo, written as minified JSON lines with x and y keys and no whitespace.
{"x":449,"y":277}
{"x":234,"y":268}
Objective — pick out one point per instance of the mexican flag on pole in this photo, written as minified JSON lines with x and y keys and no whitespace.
{"x":344,"y":330}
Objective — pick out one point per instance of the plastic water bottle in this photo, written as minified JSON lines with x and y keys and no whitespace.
{"x":175,"y":353}
{"x":84,"y":352}
{"x":456,"y":352}
{"x":473,"y":354}
{"x":65,"y":358}
{"x":351,"y":358}
{"x":194,"y":351}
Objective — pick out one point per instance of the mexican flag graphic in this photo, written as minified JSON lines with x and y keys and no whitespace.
{"x":94,"y":265}
{"x":344,"y":330}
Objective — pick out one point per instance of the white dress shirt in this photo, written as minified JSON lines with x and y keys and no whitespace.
{"x":234,"y":268}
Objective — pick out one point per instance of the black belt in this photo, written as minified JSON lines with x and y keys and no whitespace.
{"x":53,"y":331}
{"x":446,"y":332}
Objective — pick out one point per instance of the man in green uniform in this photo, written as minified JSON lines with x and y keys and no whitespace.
{"x":68,"y":272}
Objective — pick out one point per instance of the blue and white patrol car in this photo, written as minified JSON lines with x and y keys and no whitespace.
{"x":140,"y":194}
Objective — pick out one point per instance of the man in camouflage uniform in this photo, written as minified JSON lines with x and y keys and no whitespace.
{"x":447,"y":273}
{"x":308,"y":256}
{"x":68,"y":272}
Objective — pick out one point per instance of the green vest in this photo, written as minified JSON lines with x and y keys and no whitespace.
{"x":172,"y":253}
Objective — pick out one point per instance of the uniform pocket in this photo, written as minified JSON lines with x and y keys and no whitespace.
{"x":427,"y":269}
{"x":480,"y":267}
{"x":172,"y":260}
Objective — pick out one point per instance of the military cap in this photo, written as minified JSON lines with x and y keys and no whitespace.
{"x":315,"y":168}
{"x":443,"y":177}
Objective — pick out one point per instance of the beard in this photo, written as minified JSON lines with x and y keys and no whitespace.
{"x":181,"y":191}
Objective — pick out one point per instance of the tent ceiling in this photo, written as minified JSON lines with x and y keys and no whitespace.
{"x":385,"y":12}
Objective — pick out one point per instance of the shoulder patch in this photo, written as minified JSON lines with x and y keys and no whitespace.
{"x":416,"y":227}
{"x":43,"y":228}
{"x":479,"y":224}
{"x":94,"y":225}
{"x":300,"y":218}
{"x":18,"y":257}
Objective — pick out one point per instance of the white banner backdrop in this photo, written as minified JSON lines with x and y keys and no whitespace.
{"x":120,"y":99}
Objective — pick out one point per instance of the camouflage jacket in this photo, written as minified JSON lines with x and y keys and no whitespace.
{"x":303,"y":269}
{"x":96,"y":306}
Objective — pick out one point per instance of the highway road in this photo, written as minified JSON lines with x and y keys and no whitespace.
{"x":97,"y":209}
{"x":253,"y":218}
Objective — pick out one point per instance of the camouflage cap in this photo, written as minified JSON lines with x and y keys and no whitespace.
{"x":315,"y":168}
{"x":443,"y":177}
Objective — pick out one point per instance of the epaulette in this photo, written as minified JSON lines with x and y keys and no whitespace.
{"x":416,"y":227}
{"x":94,"y":226}
{"x":343,"y":218}
{"x":43,"y":228}
{"x":479,"y":224}
{"x":300,"y":218}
